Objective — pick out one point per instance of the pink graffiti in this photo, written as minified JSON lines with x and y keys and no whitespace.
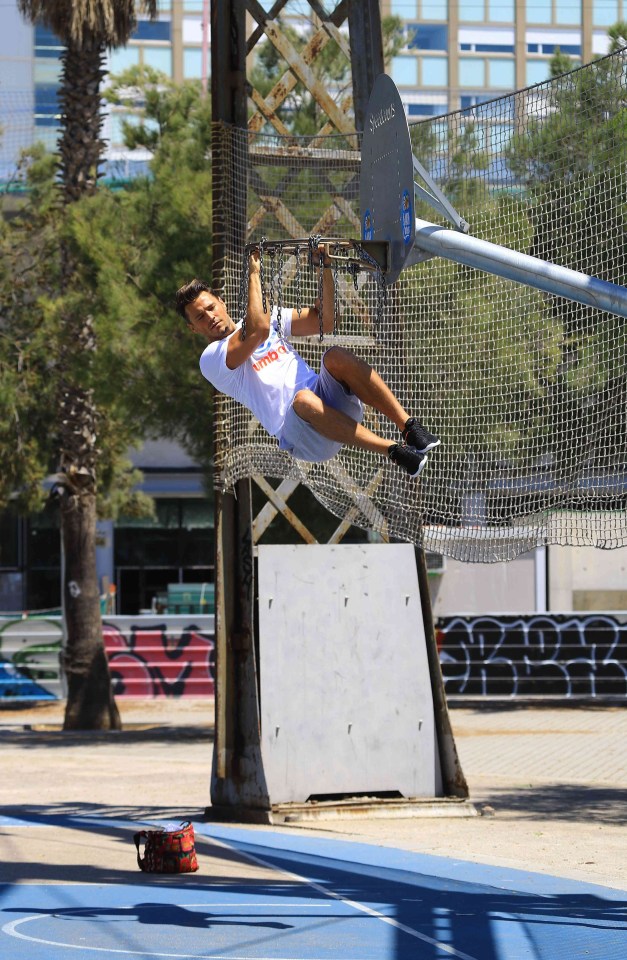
{"x":152,"y":662}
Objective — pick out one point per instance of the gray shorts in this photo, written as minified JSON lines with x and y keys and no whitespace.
{"x":300,"y":439}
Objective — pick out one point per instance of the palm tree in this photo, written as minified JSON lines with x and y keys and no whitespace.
{"x":87,"y":28}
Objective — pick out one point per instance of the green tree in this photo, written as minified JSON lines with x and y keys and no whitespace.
{"x":571,"y":162}
{"x":87,"y":30}
{"x":154,"y":235}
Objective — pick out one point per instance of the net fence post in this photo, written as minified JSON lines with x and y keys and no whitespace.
{"x":453,"y":779}
{"x":237,"y":773}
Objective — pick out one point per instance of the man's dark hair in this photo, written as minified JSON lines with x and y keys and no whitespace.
{"x":188,"y":293}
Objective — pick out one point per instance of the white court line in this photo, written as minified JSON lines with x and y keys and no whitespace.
{"x":10,"y":929}
{"x":445,"y":947}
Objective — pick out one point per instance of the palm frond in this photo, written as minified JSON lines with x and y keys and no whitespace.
{"x":81,"y":22}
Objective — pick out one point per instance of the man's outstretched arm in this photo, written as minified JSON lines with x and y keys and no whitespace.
{"x":257,"y":321}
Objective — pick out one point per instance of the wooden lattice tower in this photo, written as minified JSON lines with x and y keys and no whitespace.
{"x":238,"y":26}
{"x":243,"y":105}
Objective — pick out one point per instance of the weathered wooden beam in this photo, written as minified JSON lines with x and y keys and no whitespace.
{"x":302,"y":70}
{"x":285,"y":511}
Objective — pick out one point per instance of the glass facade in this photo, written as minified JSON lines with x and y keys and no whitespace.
{"x":605,"y":12}
{"x":427,"y":36}
{"x":501,"y":74}
{"x":482,"y":52}
{"x":46,"y":74}
{"x":176,"y":546}
{"x":434,"y":9}
{"x":537,"y":71}
{"x":472,"y":11}
{"x":192,"y":63}
{"x":501,"y":11}
{"x":434,"y":71}
{"x":472,"y":72}
{"x":404,"y":71}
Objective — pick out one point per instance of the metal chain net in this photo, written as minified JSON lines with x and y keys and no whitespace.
{"x":528,"y":391}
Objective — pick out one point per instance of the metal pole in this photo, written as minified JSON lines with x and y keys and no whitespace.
{"x":520,"y":267}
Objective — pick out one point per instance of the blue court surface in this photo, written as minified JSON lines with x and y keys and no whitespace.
{"x":320,"y":899}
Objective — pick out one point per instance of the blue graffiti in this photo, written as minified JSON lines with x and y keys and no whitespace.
{"x":542,"y":655}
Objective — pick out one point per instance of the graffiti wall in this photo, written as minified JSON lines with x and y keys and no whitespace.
{"x":167,"y":656}
{"x":547,"y":655}
{"x":161,"y":658}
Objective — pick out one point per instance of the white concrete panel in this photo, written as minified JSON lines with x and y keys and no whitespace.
{"x":346,"y":702}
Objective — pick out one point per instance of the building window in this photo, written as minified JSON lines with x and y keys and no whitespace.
{"x":501,"y":11}
{"x":427,"y":109}
{"x":428,"y":36}
{"x":471,"y":72}
{"x":567,"y":12}
{"x":46,"y":105}
{"x":43,"y":560}
{"x":537,"y":71}
{"x":403,"y":8}
{"x":471,"y":11}
{"x":152,"y":30}
{"x":9,"y":521}
{"x":605,"y":13}
{"x":404,"y":71}
{"x":122,"y":59}
{"x":175,"y":546}
{"x":159,"y":58}
{"x":501,"y":74}
{"x":47,"y":72}
{"x":44,"y":37}
{"x":433,"y":10}
{"x":192,"y":63}
{"x":539,"y":12}
{"x":434,"y":71}
{"x":487,"y":47}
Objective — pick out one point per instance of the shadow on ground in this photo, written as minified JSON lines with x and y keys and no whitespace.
{"x":566,"y":801}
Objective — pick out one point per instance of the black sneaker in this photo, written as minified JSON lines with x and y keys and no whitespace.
{"x":413,"y":461}
{"x":415,"y":435}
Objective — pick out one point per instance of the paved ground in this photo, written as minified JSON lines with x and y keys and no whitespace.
{"x":555,"y":779}
{"x":551,"y":784}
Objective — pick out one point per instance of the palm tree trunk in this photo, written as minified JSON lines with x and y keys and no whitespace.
{"x":90,"y":702}
{"x":80,"y":144}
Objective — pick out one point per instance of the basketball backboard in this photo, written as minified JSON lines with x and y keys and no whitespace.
{"x":386,"y":194}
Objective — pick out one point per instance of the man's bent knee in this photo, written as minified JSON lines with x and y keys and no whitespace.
{"x":340,"y":362}
{"x":305,"y":403}
{"x":336,"y":359}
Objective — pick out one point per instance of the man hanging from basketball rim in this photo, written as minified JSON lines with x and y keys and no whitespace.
{"x":312,"y":415}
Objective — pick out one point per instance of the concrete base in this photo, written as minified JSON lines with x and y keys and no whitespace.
{"x":351,"y":808}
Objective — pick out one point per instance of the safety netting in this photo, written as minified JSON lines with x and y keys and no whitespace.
{"x":527,"y":390}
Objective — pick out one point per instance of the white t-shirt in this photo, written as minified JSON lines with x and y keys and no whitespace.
{"x":267,"y":381}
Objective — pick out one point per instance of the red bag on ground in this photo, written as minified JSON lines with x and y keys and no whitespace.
{"x":167,"y":851}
